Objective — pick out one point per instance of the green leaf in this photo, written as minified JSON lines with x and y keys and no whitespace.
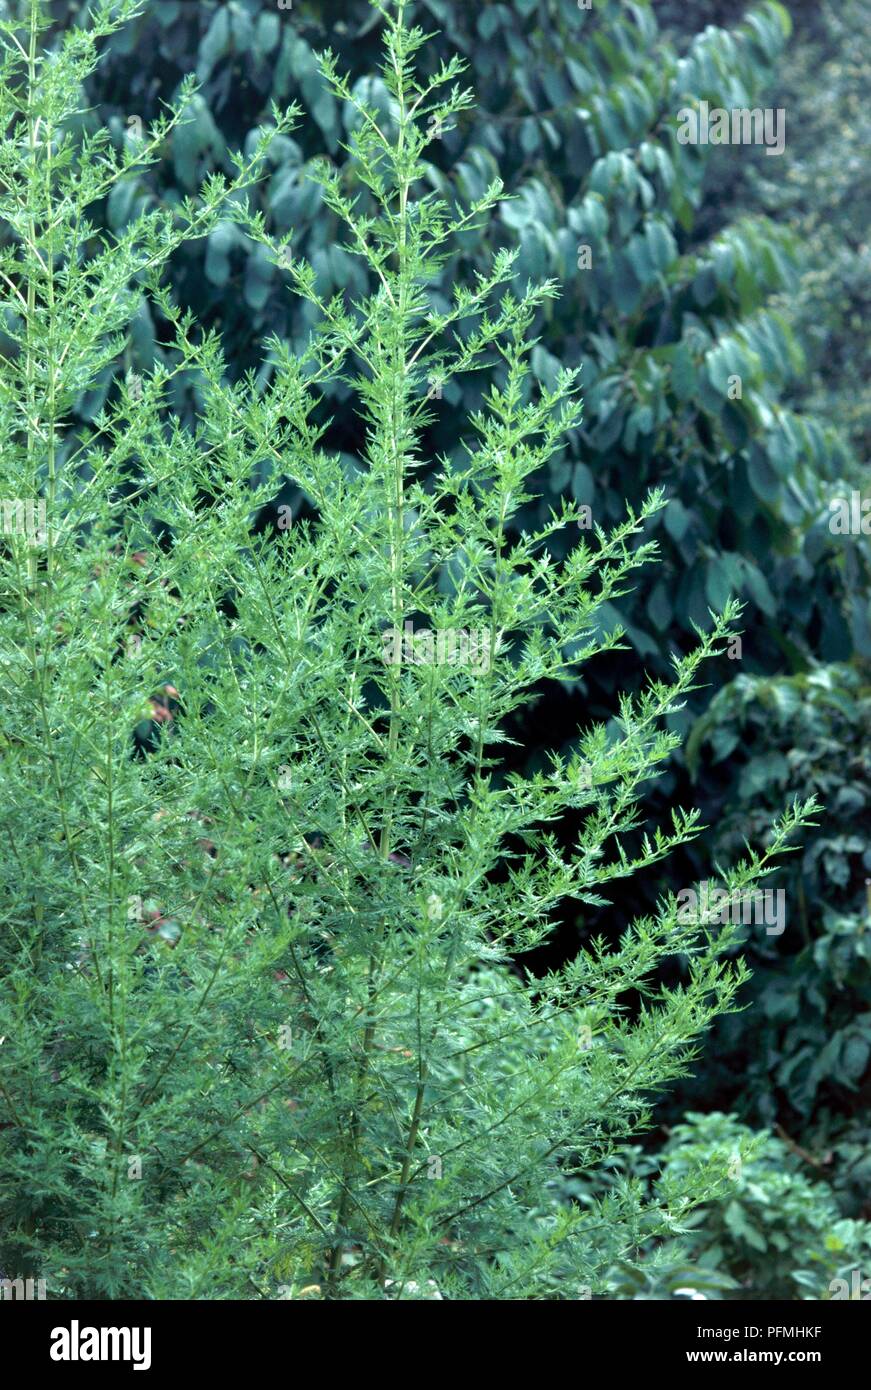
{"x":218,"y":248}
{"x":763,"y":479}
{"x":215,"y":44}
{"x":758,"y":588}
{"x":661,"y":244}
{"x":854,"y":1057}
{"x":659,"y":607}
{"x":683,"y":373}
{"x":677,"y":519}
{"x":718,"y":584}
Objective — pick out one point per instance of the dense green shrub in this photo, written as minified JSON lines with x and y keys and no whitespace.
{"x":802,"y":1049}
{"x":263,"y":1022}
{"x":779,"y":1235}
{"x":704,"y":264}
{"x":824,"y":192}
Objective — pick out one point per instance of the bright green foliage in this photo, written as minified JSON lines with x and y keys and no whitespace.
{"x":94,"y":1014}
{"x":688,"y":285}
{"x":780,"y":1234}
{"x":264,"y":1020}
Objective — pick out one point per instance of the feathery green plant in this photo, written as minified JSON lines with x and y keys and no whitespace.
{"x":266,"y":1019}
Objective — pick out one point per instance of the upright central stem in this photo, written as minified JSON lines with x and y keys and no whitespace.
{"x":395,"y":427}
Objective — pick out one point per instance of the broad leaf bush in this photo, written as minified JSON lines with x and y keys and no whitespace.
{"x":780,"y":1234}
{"x":805,"y":1046}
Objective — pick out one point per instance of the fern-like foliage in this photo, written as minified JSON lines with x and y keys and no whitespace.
{"x":266,"y":885}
